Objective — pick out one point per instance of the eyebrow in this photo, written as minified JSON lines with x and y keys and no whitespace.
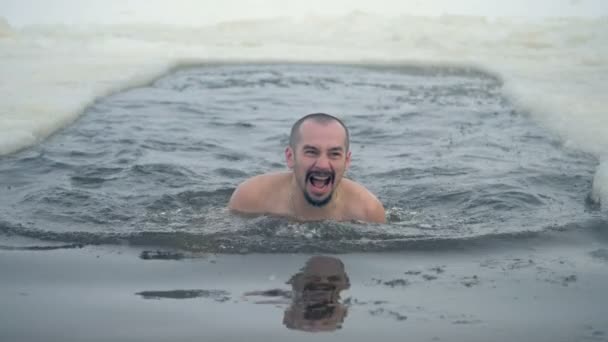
{"x":333,"y":149}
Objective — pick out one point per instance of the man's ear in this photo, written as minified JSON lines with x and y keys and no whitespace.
{"x":348,"y":157}
{"x":289,"y":157}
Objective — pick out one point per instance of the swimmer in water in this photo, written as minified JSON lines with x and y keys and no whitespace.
{"x":314,"y":189}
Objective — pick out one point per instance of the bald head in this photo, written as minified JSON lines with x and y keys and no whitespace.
{"x":320,"y":118}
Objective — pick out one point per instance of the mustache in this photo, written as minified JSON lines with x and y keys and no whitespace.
{"x":320,"y":173}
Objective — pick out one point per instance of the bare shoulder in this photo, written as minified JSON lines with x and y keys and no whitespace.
{"x":368,"y":207}
{"x":252,"y":195}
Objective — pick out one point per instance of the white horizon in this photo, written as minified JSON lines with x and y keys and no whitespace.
{"x":20,"y":13}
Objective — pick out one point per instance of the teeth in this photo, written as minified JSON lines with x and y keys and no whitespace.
{"x":320,"y":179}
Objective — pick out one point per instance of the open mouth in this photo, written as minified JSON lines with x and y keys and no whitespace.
{"x":319,"y":287}
{"x":320,"y":180}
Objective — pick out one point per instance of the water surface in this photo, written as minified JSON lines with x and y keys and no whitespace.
{"x":449,"y":156}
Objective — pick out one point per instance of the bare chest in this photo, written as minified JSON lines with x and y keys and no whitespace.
{"x":341,"y":210}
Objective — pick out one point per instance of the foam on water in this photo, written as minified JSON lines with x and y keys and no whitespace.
{"x":555,"y":69}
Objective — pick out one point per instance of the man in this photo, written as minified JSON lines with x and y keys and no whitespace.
{"x":315,"y":300}
{"x":318,"y":155}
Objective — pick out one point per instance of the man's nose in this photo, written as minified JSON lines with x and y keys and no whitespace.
{"x":323,"y":162}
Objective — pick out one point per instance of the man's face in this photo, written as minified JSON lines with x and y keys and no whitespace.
{"x":319,"y":160}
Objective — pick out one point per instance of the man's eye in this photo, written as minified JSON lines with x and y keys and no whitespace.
{"x":336,"y":155}
{"x":310,"y":152}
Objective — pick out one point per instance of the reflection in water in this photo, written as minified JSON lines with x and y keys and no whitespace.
{"x":217,"y":295}
{"x":316,"y":290}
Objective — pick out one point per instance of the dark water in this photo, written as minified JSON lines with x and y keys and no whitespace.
{"x":451,"y":159}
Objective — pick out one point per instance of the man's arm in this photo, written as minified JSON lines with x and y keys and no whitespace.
{"x":245,"y":198}
{"x":375,"y":211}
{"x":369,"y":208}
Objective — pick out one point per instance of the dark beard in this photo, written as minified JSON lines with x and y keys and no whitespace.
{"x":316,"y":203}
